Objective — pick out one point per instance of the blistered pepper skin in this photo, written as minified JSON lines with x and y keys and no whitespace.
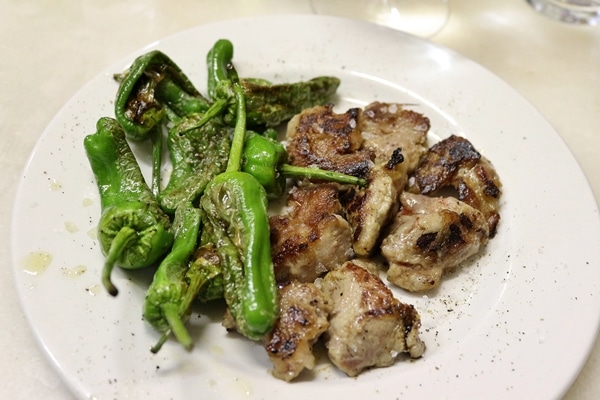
{"x":147,"y":88}
{"x":133,"y":231}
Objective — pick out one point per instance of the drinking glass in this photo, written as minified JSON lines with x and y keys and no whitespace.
{"x":585,"y":12}
{"x":422,"y":18}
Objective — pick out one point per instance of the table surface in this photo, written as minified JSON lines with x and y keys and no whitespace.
{"x":51,"y":48}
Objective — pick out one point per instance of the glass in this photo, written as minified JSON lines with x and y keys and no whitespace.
{"x":422,"y":18}
{"x":585,"y":12}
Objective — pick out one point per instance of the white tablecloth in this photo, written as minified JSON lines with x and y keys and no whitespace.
{"x":50,"y":48}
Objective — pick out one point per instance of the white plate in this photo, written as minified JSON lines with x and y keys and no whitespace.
{"x":518,"y":322}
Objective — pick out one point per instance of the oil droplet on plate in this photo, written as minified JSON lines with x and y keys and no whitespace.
{"x":93,"y":233}
{"x":87,"y":202}
{"x":244,"y":386}
{"x":74,"y":272}
{"x":94,"y":290}
{"x":71,"y":227}
{"x":37,"y":262}
{"x":55,"y":185}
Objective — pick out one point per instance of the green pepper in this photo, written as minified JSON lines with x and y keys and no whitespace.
{"x":220,"y":67}
{"x":185,"y":275}
{"x":267,"y":104}
{"x":207,"y":264}
{"x":163,"y":307}
{"x":270,"y":104}
{"x":265,"y":159}
{"x":236,"y":207}
{"x":261,"y":158}
{"x":236,"y":204}
{"x":152,"y":83}
{"x":199,"y":148}
{"x":133,"y":231}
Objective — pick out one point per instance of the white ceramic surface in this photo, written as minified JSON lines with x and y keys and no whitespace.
{"x":517,"y":322}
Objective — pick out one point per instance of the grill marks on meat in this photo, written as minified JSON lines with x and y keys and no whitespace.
{"x":322,"y":138}
{"x":303,"y":318}
{"x":312,"y":237}
{"x":454,"y":162}
{"x":368,"y":326}
{"x":369,"y":209}
{"x":431,"y":235}
{"x":397,"y":137}
{"x":383,"y":142}
{"x":361,"y":322}
{"x":328,"y":294}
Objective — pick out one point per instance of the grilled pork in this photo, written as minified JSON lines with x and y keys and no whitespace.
{"x":312,"y":237}
{"x":369,"y":209}
{"x":396,"y":136}
{"x":368,"y":326}
{"x":319,"y":137}
{"x":431,"y":235}
{"x":303,"y":317}
{"x":454,"y":162}
{"x":383,"y":143}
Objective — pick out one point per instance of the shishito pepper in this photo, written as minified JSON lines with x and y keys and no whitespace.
{"x":236,"y":204}
{"x":199,"y":148}
{"x":133,"y":230}
{"x":147,"y":88}
{"x":163,"y":307}
{"x":267,"y":104}
{"x":190,"y":272}
{"x":265,"y":159}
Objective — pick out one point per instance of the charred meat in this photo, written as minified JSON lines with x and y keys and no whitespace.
{"x":454,"y":162}
{"x":384,"y":143}
{"x":396,"y":136}
{"x":431,"y":235}
{"x":368,"y":326}
{"x":312,"y":237}
{"x":303,"y":317}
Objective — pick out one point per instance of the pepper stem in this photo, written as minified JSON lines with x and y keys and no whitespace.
{"x":120,"y":242}
{"x":163,"y":338}
{"x":171,"y":313}
{"x":317,"y":173}
{"x":239,"y":134}
{"x":214,"y":110}
{"x":199,"y":274}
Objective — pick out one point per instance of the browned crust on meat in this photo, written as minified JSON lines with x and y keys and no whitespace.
{"x":296,"y":236}
{"x":368,"y":325}
{"x":320,"y":137}
{"x":302,"y":319}
{"x":454,"y":162}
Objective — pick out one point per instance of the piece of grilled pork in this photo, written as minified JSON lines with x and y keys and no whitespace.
{"x":320,"y":137}
{"x":312,"y":237}
{"x":396,"y":136}
{"x":303,"y":317}
{"x":382,"y":143}
{"x":454,"y":162}
{"x":431,"y":235}
{"x":368,"y":326}
{"x":369,"y":209}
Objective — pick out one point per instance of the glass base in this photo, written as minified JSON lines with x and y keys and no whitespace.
{"x":571,"y":11}
{"x":423,"y":18}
